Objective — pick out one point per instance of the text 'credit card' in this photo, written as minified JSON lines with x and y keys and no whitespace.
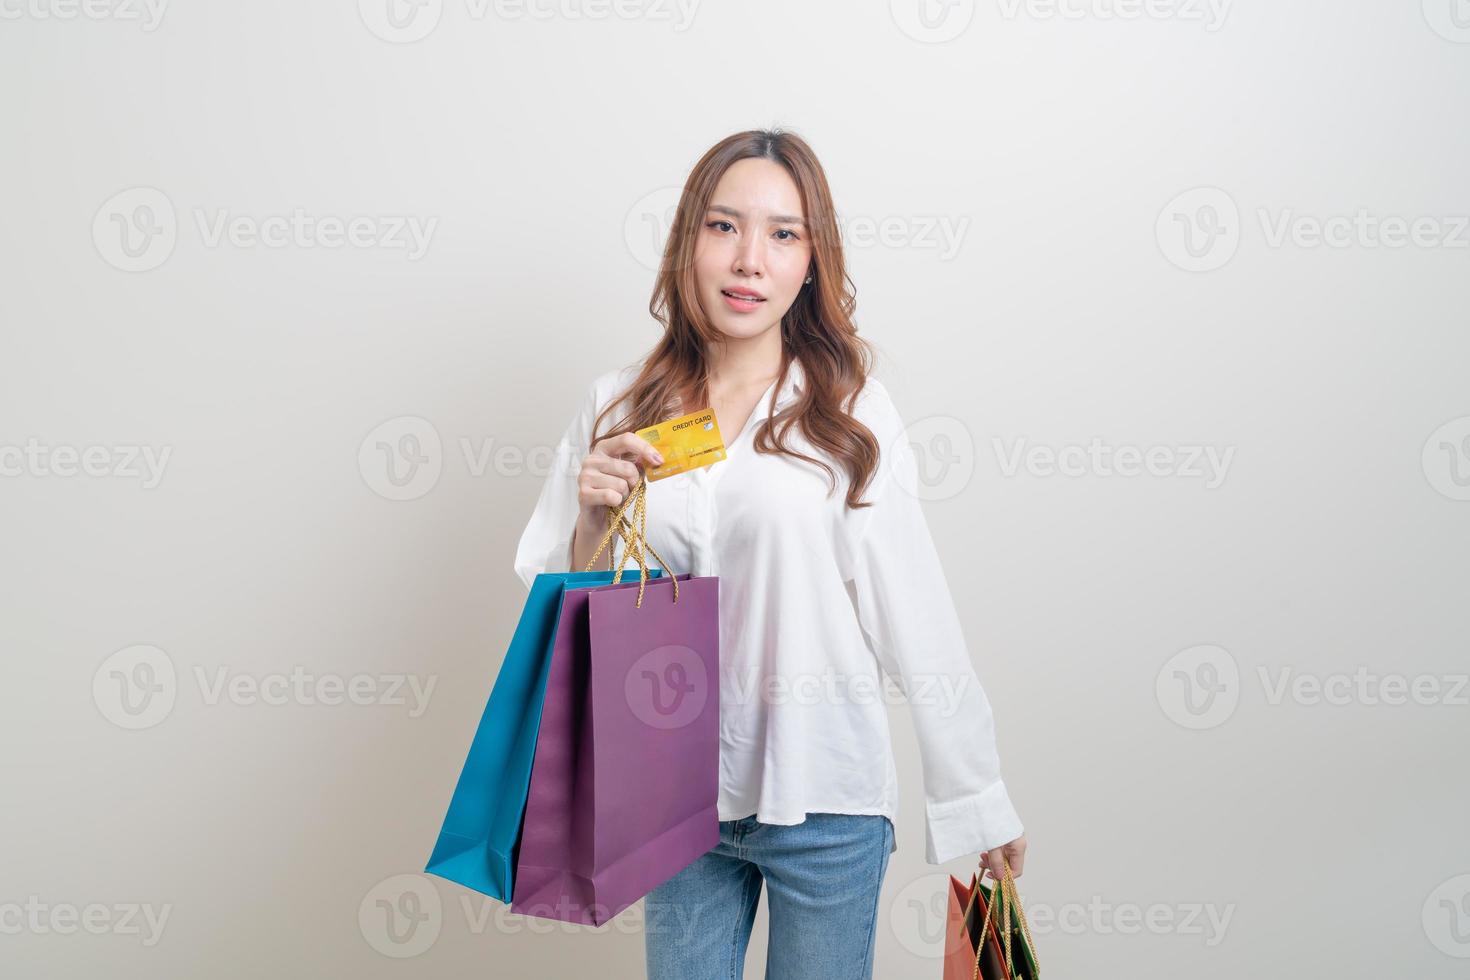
{"x":686,"y":443}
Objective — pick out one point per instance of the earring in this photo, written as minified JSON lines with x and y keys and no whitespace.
{"x":808,"y":278}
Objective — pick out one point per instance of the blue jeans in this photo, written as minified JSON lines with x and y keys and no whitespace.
{"x":822,"y":877}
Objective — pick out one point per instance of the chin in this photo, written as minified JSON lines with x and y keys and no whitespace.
{"x":741,"y":329}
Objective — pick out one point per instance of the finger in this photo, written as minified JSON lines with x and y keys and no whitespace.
{"x":610,"y":467}
{"x":603,"y":481}
{"x":604,"y":462}
{"x":601,"y":498}
{"x":610,"y":452}
{"x":610,"y":499}
{"x":606,"y":479}
{"x":640,"y":448}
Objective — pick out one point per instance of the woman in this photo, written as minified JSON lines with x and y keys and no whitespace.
{"x":827,"y":574}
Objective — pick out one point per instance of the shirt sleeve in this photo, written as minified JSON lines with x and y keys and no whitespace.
{"x":546,"y":542}
{"x":905,"y":608}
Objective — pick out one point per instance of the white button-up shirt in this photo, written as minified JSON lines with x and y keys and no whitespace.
{"x":814,"y":599}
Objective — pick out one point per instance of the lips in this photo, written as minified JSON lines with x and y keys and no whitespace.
{"x":746,"y":295}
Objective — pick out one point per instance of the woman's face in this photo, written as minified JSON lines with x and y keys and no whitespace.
{"x":753,"y":244}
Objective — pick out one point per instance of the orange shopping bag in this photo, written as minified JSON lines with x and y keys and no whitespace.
{"x":965,"y":956}
{"x":983,"y":929}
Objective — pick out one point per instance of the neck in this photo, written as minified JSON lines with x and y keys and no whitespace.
{"x":745,"y":362}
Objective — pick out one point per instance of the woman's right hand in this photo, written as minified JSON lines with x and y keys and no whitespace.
{"x":609,"y":473}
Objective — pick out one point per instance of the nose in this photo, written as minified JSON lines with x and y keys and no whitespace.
{"x":750,"y":256}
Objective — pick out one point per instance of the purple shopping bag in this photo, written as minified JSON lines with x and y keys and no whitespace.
{"x":625,"y":782}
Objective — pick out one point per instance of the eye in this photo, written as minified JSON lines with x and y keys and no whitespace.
{"x":788,"y":231}
{"x":720,"y":221}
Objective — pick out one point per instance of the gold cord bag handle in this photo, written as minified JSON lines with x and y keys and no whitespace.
{"x":984,"y":928}
{"x":1004,"y":894}
{"x":634,"y":537}
{"x":1015,"y":897}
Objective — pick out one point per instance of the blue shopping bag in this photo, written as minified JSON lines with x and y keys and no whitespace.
{"x":481,"y":833}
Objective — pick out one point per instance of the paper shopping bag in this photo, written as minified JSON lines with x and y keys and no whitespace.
{"x":1010,"y":921}
{"x":972,"y":948}
{"x":625,"y":783}
{"x":477,"y":841}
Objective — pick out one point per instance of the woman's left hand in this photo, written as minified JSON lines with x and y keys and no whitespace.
{"x":1014,"y":854}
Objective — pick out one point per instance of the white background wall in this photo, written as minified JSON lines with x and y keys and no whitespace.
{"x":1039,"y":283}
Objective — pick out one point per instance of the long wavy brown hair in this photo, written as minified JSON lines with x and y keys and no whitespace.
{"x":818,"y":328}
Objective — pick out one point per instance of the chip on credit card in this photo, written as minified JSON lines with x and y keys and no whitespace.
{"x":686,"y":443}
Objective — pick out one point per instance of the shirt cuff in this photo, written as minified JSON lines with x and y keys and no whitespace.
{"x":970,"y":824}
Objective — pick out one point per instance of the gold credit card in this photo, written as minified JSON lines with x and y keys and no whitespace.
{"x":686,"y":443}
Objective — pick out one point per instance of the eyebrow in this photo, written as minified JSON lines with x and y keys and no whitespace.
{"x":784,"y":219}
